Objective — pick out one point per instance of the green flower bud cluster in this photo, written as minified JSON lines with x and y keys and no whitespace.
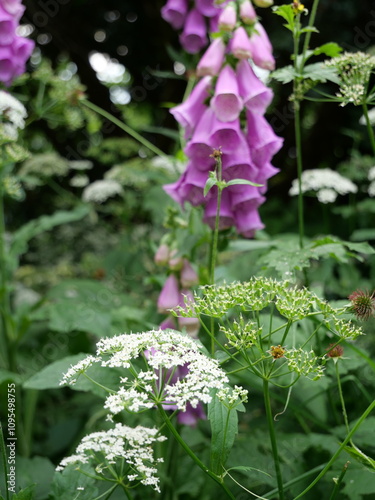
{"x":304,"y":363}
{"x":294,"y":303}
{"x":346,"y":329}
{"x":242,"y":334}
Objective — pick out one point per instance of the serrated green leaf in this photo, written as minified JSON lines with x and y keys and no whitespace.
{"x":320,"y":72}
{"x":211,"y":182}
{"x":224,"y":427}
{"x":25,"y":494}
{"x":66,"y":483}
{"x":286,"y":12}
{"x":284,"y":75}
{"x":234,"y":182}
{"x":331,"y":49}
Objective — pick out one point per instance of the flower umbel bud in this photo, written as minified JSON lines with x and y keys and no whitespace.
{"x":363,"y":304}
{"x":277,"y":351}
{"x":335,"y":351}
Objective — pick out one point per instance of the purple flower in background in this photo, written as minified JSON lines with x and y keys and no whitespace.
{"x":14,"y":50}
{"x":212,"y":59}
{"x":240,"y":45}
{"x":228,"y":18}
{"x":191,"y":415}
{"x":174,"y":12}
{"x":194,"y":35}
{"x":226,"y":102}
{"x":170,"y":295}
{"x":261,"y":49}
{"x":247,"y":12}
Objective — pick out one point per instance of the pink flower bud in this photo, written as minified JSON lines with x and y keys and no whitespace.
{"x":228,"y":18}
{"x":188,"y":276}
{"x":194,"y":36}
{"x":263,"y":3}
{"x":162,"y":255}
{"x":247,"y":12}
{"x":240,"y":44}
{"x":212,"y":59}
{"x":169,"y":296}
{"x":261,"y":49}
{"x":175,"y":262}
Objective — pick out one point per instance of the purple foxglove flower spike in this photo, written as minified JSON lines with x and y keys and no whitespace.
{"x":194,"y":36}
{"x":189,"y":112}
{"x":240,"y":45}
{"x":226,"y":215}
{"x":226,"y":102}
{"x":247,"y":12}
{"x":261,"y":49}
{"x":191,"y":416}
{"x":228,"y":18}
{"x":206,"y":7}
{"x":212,"y":59}
{"x":263,"y":141}
{"x":170,"y":295}
{"x":174,"y":12}
{"x":255,"y":94}
{"x":188,"y":276}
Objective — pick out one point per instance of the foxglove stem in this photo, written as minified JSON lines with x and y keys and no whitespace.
{"x":138,"y":137}
{"x":271,"y":430}
{"x":362,"y":418}
{"x":370,"y":130}
{"x":191,"y":454}
{"x":314,"y":9}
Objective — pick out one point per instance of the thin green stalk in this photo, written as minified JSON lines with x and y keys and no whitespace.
{"x":192,"y":455}
{"x":124,"y":127}
{"x":342,"y":446}
{"x":296,"y":480}
{"x":31,"y":398}
{"x":341,"y":397}
{"x":339,"y":481}
{"x":314,"y":9}
{"x":370,"y":130}
{"x":271,"y":430}
{"x":3,"y":459}
{"x":297,"y":133}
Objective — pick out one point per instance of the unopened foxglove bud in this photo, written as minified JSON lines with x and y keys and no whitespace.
{"x":175,"y":262}
{"x":188,"y":276}
{"x":212,"y":59}
{"x":169,"y":296}
{"x":161,"y":257}
{"x":247,"y":12}
{"x":228,"y":18}
{"x":240,"y":44}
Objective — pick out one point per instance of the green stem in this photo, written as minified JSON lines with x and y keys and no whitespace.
{"x":314,"y":9}
{"x":3,"y":458}
{"x":271,"y":430}
{"x":341,"y":396}
{"x":192,"y":455}
{"x":370,"y":130}
{"x":297,"y":133}
{"x":31,"y":398}
{"x":124,"y":127}
{"x":339,"y":481}
{"x":342,"y":446}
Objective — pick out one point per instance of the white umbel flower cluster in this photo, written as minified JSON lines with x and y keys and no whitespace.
{"x":325,"y":182}
{"x":133,"y":445}
{"x":100,"y":191}
{"x":177,"y":371}
{"x":13,"y":114}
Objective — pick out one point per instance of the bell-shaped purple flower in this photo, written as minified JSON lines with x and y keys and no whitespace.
{"x":245,"y":196}
{"x":256,"y":96}
{"x":228,"y":18}
{"x":6,"y":66}
{"x":161,"y":256}
{"x":226,"y":102}
{"x":191,"y":325}
{"x":240,"y":45}
{"x":174,"y":12}
{"x":8,"y":26}
{"x":263,"y":141}
{"x":212,"y":59}
{"x":191,"y":415}
{"x":247,"y":221}
{"x":168,"y":324}
{"x":228,"y":136}
{"x":169,"y":296}
{"x":14,"y":7}
{"x":247,"y":12}
{"x":261,"y":49}
{"x":199,"y":148}
{"x":206,"y":7}
{"x":226,"y":216}
{"x":189,"y":187}
{"x":189,"y":112}
{"x":194,"y":36}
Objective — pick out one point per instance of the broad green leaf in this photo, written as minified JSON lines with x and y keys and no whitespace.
{"x":6,"y":375}
{"x":224,"y":427}
{"x":21,"y":237}
{"x":65,"y":484}
{"x":330,"y":49}
{"x":361,"y":457}
{"x":50,"y":376}
{"x":211,"y":182}
{"x":320,"y":72}
{"x":309,"y":29}
{"x":36,"y":471}
{"x":284,"y":75}
{"x":234,"y":182}
{"x":359,"y":484}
